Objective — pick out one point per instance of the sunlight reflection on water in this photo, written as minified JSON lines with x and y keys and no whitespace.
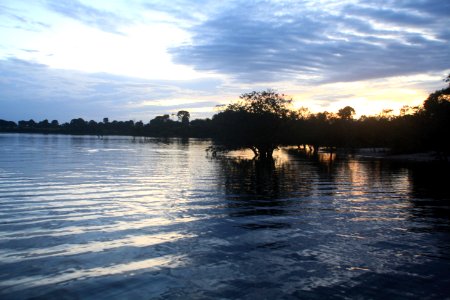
{"x":148,"y":218}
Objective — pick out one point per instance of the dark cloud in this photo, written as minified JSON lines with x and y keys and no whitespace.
{"x":389,"y":15}
{"x":434,"y":8}
{"x":262,"y":41}
{"x":31,"y":90}
{"x":101,"y":19}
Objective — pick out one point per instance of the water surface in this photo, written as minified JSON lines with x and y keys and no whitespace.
{"x":118,"y":218}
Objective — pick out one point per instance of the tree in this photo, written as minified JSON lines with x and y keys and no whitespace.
{"x":183,"y":117}
{"x":303,"y":113}
{"x":346,"y":113}
{"x":7,"y":124}
{"x":255,"y":122}
{"x":386,"y":113}
{"x":160,"y":120}
{"x":438,"y":103}
{"x":437,"y":119}
{"x":265,"y":102}
{"x":43,"y":124}
{"x":409,"y":110}
{"x":78,"y":122}
{"x":78,"y":126}
{"x":27,"y":124}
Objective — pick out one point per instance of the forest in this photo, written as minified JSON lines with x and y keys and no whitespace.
{"x":263,"y":121}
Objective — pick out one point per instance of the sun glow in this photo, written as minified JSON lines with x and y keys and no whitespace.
{"x":367,"y":98}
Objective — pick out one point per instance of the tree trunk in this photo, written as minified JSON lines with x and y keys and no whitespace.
{"x":315,"y":150}
{"x":256,"y":152}
{"x":265,"y":152}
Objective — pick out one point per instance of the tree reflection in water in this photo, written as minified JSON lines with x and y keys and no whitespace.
{"x":335,"y":224}
{"x":254,"y":187}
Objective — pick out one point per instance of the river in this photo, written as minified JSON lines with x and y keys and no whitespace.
{"x":133,"y":218}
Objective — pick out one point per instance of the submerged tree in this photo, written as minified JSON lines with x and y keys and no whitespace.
{"x":255,"y":122}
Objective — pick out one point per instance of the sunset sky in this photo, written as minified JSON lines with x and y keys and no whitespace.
{"x":133,"y":60}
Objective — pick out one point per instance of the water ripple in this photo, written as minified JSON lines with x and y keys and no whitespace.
{"x":122,"y":218}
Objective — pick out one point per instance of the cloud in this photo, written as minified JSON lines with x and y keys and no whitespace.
{"x":431,"y":7}
{"x":101,"y":19}
{"x":186,"y":12}
{"x":31,"y":90}
{"x":264,"y":41}
{"x":13,"y":18}
{"x":297,"y":47}
{"x":388,"y":15}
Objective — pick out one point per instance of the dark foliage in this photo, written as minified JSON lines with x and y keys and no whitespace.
{"x":262,"y":121}
{"x":257,"y":122}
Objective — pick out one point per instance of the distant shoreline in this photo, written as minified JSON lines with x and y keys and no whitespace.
{"x":430,"y":156}
{"x":363,"y":152}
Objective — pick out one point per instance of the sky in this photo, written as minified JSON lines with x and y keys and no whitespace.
{"x":134,"y":60}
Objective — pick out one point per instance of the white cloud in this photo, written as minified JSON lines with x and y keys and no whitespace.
{"x":135,"y":59}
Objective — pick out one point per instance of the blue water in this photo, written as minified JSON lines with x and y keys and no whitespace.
{"x":124,"y":218}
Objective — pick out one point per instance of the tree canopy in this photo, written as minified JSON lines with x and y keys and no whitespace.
{"x":262,"y":103}
{"x":346,"y":113}
{"x":183,"y":116}
{"x":255,"y":122}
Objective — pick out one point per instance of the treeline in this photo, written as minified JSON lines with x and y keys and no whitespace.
{"x":161,"y":126}
{"x":262,"y":121}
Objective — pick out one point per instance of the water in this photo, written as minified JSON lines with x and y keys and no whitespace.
{"x":117,"y":218}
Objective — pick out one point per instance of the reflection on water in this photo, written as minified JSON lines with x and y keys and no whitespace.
{"x":123,"y":217}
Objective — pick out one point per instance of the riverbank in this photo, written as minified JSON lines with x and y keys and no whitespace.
{"x":383,"y":153}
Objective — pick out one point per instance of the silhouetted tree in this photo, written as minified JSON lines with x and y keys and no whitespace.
{"x":160,"y":120}
{"x":343,"y":131}
{"x":27,"y":124}
{"x":7,"y":125}
{"x":437,"y":119}
{"x":77,"y":126}
{"x":409,"y":110}
{"x":255,"y":122}
{"x":319,"y":131}
{"x":183,"y":117}
{"x":386,"y":113}
{"x":43,"y":124}
{"x":201,"y":128}
{"x":346,"y":113}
